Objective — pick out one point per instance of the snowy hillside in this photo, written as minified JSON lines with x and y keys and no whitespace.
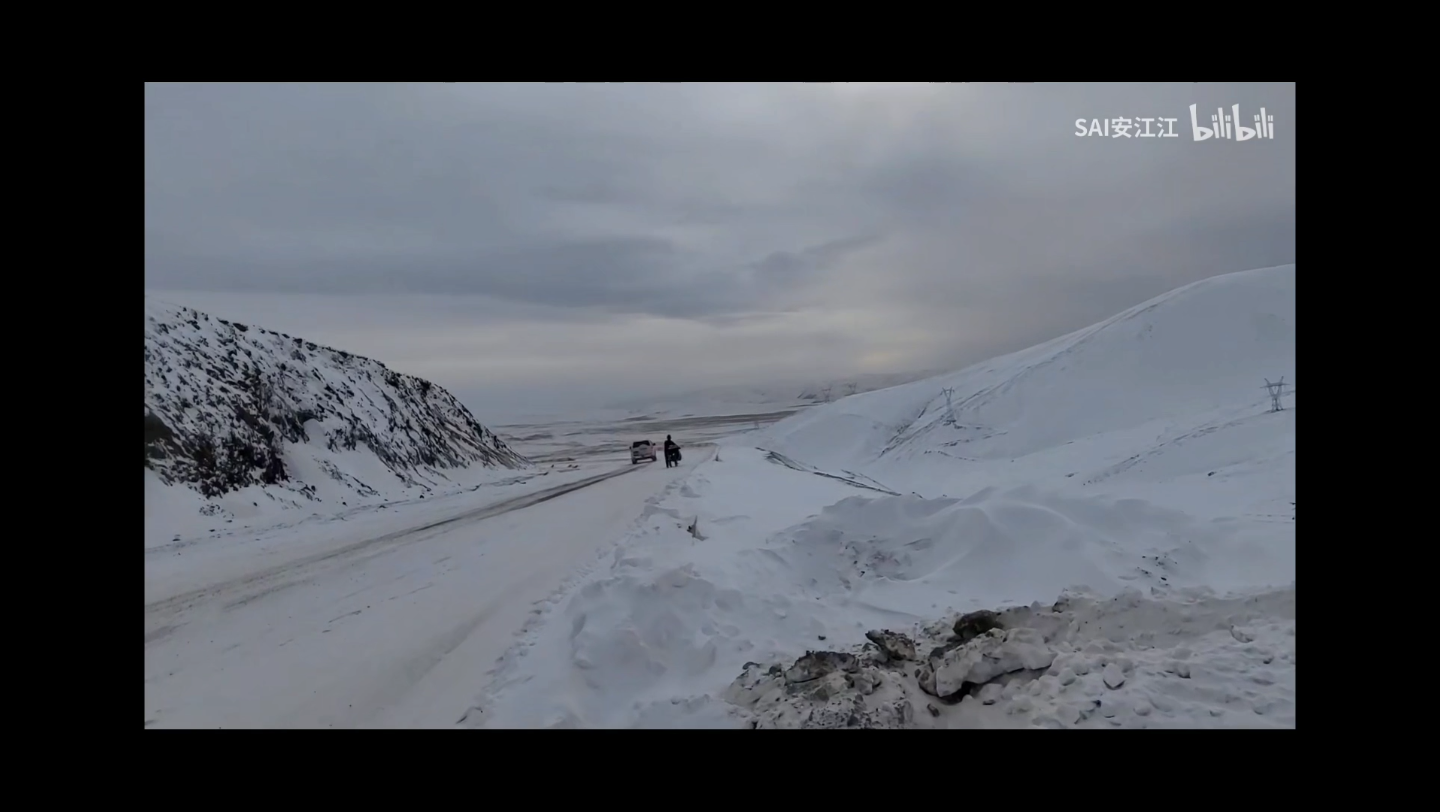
{"x":235,"y":413}
{"x":1117,"y":504}
{"x":1169,"y":388}
{"x":738,"y":399}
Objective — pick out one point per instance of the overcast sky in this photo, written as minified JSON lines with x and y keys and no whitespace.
{"x":557,"y":246}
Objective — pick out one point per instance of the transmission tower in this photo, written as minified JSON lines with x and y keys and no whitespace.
{"x":1277,"y":391}
{"x":949,"y":392}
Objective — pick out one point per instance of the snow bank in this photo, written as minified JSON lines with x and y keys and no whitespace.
{"x":656,"y":638}
{"x":180,"y":517}
{"x":903,"y":553}
{"x":671,"y":609}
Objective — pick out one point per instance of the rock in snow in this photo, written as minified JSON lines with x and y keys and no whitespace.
{"x":225,"y":401}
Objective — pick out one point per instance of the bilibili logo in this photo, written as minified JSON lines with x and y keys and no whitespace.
{"x":1225,"y":124}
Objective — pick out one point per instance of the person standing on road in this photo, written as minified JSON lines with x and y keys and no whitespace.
{"x":672,"y":453}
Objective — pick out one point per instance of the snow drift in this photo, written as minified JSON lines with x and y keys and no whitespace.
{"x":1134,"y":468}
{"x":233,"y":408}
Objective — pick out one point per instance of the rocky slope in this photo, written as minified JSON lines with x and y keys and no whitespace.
{"x":230,"y":405}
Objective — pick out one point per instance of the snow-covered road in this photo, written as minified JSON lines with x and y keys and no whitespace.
{"x":378,"y":628}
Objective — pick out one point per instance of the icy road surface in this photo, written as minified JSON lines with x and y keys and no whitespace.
{"x":378,"y":625}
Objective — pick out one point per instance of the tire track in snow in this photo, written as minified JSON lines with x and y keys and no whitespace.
{"x":780,"y":459}
{"x":244,"y":589}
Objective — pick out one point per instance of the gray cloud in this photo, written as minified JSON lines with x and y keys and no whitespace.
{"x":923,"y":224}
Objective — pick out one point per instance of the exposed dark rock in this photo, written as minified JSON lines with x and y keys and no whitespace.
{"x":895,"y":646}
{"x":974,"y":624}
{"x":822,"y":690}
{"x":882,"y":685}
{"x":816,"y":664}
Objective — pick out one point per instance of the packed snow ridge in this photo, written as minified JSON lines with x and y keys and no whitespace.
{"x":230,"y":406}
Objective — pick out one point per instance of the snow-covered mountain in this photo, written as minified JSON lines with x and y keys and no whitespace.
{"x":231,"y":407}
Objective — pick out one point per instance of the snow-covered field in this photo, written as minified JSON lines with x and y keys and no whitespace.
{"x":608,"y":437}
{"x":1098,"y":531}
{"x":741,"y":400}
